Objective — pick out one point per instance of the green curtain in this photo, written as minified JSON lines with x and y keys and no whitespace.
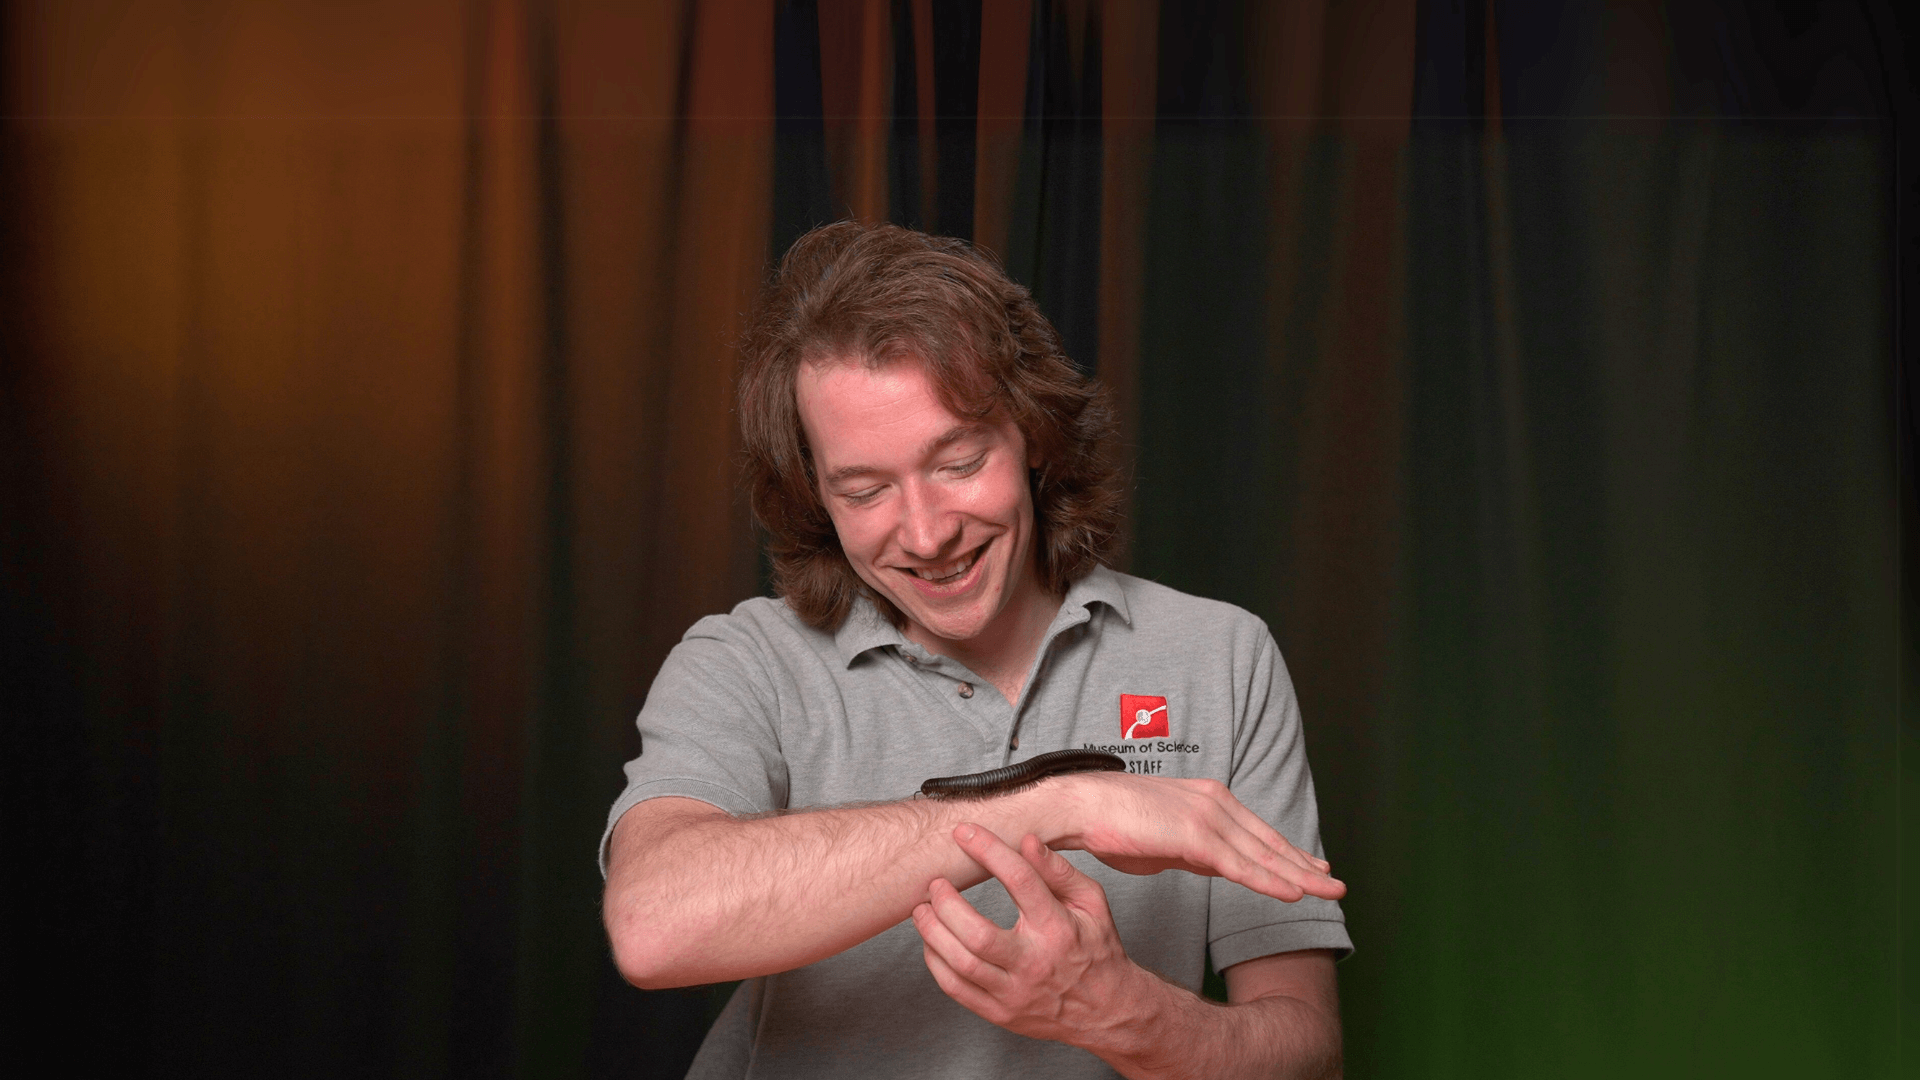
{"x":1603,"y":692}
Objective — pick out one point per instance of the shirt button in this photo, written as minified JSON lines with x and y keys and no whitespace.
{"x":966,"y":689}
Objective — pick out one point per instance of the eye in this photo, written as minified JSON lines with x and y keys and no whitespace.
{"x":861,"y":498}
{"x":969,"y":466}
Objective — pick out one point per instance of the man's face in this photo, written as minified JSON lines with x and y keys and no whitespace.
{"x":932,"y":511}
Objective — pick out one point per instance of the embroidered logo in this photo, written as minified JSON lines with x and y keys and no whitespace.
{"x":1143,"y":716}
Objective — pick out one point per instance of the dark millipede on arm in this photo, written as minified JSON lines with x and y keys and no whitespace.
{"x":1020,"y":774}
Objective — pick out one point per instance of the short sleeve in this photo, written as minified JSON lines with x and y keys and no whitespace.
{"x":709,"y":729}
{"x":1271,"y":777}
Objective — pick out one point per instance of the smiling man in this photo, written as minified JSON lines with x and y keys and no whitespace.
{"x":931,"y":472}
{"x":932,"y":511}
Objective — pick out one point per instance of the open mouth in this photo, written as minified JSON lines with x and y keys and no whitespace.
{"x":949,"y":573}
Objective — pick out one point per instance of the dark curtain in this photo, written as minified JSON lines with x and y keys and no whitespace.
{"x":365,"y":442}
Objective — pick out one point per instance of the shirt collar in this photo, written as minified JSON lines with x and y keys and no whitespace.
{"x":1100,"y":586}
{"x":865,"y":629}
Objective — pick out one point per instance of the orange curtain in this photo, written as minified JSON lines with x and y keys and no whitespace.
{"x":380,"y":362}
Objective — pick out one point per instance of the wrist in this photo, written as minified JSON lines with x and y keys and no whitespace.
{"x":1152,"y":1027}
{"x":1046,"y":810}
{"x":1056,"y":807}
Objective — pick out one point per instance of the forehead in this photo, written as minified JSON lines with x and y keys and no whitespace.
{"x":841,"y":399}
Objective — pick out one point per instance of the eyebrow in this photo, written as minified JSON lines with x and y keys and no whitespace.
{"x":942,"y":441}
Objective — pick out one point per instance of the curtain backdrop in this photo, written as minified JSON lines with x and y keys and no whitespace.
{"x":365,"y":443}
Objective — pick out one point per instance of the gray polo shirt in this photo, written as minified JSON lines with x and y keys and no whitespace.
{"x":755,"y":711}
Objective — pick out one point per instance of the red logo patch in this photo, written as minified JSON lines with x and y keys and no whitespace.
{"x":1143,"y":716}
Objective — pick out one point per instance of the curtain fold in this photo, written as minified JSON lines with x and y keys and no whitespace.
{"x":366,"y":443}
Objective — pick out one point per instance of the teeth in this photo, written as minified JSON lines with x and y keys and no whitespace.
{"x":940,"y":574}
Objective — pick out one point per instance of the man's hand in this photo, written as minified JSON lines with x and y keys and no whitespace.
{"x":1143,"y":825}
{"x":1057,"y":973}
{"x":1060,"y":973}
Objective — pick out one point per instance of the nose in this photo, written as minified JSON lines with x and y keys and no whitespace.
{"x":927,"y":528}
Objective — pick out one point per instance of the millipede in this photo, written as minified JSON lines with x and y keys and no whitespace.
{"x":1021,"y":774}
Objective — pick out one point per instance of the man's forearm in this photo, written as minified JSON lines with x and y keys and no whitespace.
{"x":704,"y":897}
{"x":694,"y":895}
{"x":1181,"y":1035}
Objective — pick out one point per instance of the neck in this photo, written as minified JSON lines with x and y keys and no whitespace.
{"x":1004,"y":654}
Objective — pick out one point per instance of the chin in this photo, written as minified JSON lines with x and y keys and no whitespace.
{"x":949,"y":626}
{"x":964,"y":631}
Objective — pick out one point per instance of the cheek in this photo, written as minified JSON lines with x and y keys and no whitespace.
{"x":859,"y":538}
{"x":1003,"y":496}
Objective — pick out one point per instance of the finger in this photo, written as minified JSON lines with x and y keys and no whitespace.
{"x":977,"y":933}
{"x":1221,"y":844}
{"x":1236,"y":867}
{"x":1308,"y":880}
{"x":1030,"y":893}
{"x":1291,"y":878}
{"x":1236,"y":811}
{"x":1296,"y":866}
{"x":1276,"y":852}
{"x":1279,"y":844}
{"x":1287,"y":882}
{"x":1062,"y":878}
{"x":940,"y":939}
{"x":1268,"y":836}
{"x":956,"y":986}
{"x":1240,"y":856}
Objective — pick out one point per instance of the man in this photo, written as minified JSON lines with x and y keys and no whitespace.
{"x":930,"y":469}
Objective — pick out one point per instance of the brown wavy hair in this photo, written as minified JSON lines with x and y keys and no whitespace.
{"x":881,"y":294}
